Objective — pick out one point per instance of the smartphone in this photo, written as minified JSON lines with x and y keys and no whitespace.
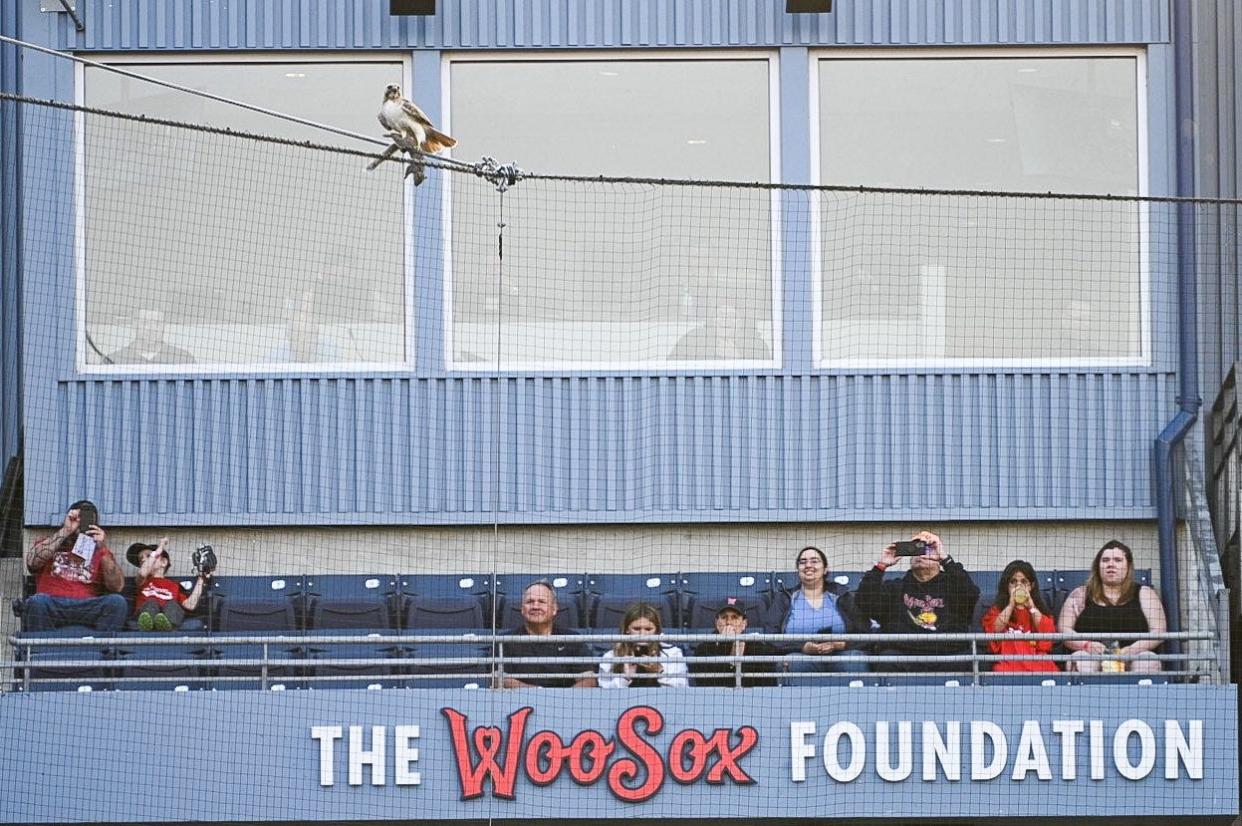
{"x":87,"y":516}
{"x":913,"y":547}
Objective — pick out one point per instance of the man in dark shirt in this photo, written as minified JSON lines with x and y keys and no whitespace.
{"x":539,"y":609}
{"x":731,"y":624}
{"x":936,"y":596}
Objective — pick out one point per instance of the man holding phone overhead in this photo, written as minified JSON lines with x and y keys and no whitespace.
{"x":77,"y":580}
{"x":936,"y":596}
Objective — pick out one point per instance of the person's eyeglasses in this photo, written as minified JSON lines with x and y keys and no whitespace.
{"x":808,"y":563}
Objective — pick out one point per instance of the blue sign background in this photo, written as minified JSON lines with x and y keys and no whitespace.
{"x":147,"y":756}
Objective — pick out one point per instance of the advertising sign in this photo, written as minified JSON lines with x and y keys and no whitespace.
{"x":645,"y":753}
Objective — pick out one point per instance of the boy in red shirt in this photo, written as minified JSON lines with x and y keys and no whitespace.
{"x":159,"y":602}
{"x":77,"y":580}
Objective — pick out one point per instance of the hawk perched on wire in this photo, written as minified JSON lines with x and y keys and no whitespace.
{"x":410,"y":130}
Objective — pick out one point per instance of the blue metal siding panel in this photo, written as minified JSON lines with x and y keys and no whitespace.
{"x":474,"y":24}
{"x":728,"y":447}
{"x":1218,"y":116}
{"x":10,"y":326}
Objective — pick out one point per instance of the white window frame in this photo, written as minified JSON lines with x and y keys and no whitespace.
{"x":1143,"y":359}
{"x":771,"y":56}
{"x":136,"y":61}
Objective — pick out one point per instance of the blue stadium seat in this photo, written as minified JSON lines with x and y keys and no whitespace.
{"x":1024,"y":678}
{"x":570,"y":593}
{"x":444,"y":613}
{"x":256,"y":603}
{"x":349,"y":601}
{"x":355,"y":676}
{"x":702,"y":594}
{"x":608,"y":596}
{"x":1125,"y":678}
{"x":163,"y":678}
{"x":278,"y":677}
{"x":68,"y":678}
{"x":782,"y":581}
{"x":446,"y":673}
{"x":1066,"y":581}
{"x":896,"y":680}
{"x":443,"y":596}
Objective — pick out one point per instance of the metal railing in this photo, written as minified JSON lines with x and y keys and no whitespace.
{"x":275,"y":668}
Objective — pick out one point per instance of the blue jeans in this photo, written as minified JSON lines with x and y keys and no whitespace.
{"x":843,"y":662}
{"x":46,"y":613}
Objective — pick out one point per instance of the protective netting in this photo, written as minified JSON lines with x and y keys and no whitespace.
{"x":790,"y":436}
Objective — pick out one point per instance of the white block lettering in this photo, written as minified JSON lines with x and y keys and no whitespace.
{"x":359,"y":757}
{"x":1147,"y":750}
{"x":1031,"y":756}
{"x":403,"y":755}
{"x":946,"y":752}
{"x":1068,"y":731}
{"x":1096,"y":734}
{"x":325,"y":735}
{"x":858,"y":752}
{"x":905,"y":751}
{"x":1177,"y":748}
{"x":982,"y":731}
{"x":800,"y":750}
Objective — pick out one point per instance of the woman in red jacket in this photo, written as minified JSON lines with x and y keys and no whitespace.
{"x":1019,"y":610}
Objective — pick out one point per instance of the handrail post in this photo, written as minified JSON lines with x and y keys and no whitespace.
{"x":263,"y":669}
{"x":974,"y":660}
{"x":1224,"y":637}
{"x":500,"y":665}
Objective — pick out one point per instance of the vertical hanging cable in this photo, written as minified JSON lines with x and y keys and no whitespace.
{"x":502,"y":177}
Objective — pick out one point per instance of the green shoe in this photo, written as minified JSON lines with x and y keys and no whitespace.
{"x":162,"y":623}
{"x":145,"y":622}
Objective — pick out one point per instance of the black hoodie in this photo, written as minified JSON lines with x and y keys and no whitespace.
{"x":943,"y":604}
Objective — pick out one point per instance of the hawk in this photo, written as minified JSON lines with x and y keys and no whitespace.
{"x":410,"y":130}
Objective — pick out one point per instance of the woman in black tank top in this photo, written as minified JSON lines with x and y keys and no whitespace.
{"x":1112,"y":605}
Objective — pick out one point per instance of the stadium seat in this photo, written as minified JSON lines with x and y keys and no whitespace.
{"x":702,"y":594}
{"x":348,"y":601}
{"x":459,"y":612}
{"x":446,"y":598}
{"x":1024,"y":678}
{"x":850,"y":580}
{"x":456,"y":665}
{"x":278,"y":677}
{"x":366,"y":647}
{"x":569,"y":596}
{"x":950,"y":680}
{"x":162,"y":678}
{"x":43,"y":669}
{"x":1066,"y":581}
{"x":608,"y":596}
{"x":255,"y":603}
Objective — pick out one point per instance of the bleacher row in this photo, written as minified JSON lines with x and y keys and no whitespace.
{"x":366,"y":605}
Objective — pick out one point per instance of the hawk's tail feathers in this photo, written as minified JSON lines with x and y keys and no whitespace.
{"x":437,"y":140}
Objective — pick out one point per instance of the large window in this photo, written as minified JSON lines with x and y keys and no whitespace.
{"x":908,"y":279}
{"x":614,"y":274}
{"x":203,"y":251}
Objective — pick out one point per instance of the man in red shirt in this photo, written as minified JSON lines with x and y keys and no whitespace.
{"x":77,"y":580}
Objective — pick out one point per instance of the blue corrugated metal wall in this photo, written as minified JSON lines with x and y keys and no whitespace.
{"x":614,"y":449}
{"x":464,"y":24}
{"x":1218,"y":131}
{"x":423,"y":449}
{"x":10,"y":329}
